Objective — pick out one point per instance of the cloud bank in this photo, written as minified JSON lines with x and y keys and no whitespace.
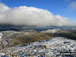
{"x":31,"y":16}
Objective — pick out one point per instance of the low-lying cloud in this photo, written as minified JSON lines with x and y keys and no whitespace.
{"x":31,"y":16}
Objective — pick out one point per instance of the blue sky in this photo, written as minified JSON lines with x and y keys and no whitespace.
{"x":57,"y":7}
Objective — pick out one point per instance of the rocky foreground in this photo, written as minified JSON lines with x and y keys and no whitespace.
{"x":57,"y":46}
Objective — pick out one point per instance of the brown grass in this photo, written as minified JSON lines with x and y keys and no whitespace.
{"x":30,"y":38}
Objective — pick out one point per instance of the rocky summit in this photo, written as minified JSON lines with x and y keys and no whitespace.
{"x":57,"y":47}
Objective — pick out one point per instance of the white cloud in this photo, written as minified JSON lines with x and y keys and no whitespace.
{"x":31,"y":16}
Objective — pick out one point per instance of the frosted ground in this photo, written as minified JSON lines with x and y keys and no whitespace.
{"x":57,"y":46}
